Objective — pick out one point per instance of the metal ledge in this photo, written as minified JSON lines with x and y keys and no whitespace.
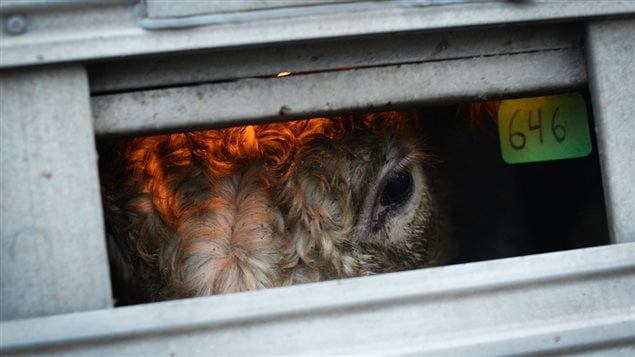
{"x":8,"y":7}
{"x":257,"y":100}
{"x":111,"y":32}
{"x":550,"y":303}
{"x":373,"y":51}
{"x":158,"y":16}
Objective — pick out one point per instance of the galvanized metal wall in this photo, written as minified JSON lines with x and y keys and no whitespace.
{"x":52,"y":247}
{"x":52,"y":252}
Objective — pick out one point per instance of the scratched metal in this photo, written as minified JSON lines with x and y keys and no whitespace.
{"x":52,"y":248}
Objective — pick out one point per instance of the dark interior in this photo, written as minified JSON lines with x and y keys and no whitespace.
{"x":502,"y":210}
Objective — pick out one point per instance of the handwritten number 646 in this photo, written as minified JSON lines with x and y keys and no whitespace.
{"x":518,"y":139}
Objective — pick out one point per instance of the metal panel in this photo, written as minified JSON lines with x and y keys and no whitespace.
{"x":52,"y":250}
{"x":611,"y":50}
{"x":162,"y":8}
{"x":329,"y":55}
{"x":12,"y":6}
{"x":213,"y":14}
{"x":565,"y":302}
{"x":255,"y":100}
{"x":109,"y":32}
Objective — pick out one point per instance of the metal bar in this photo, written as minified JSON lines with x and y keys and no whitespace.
{"x":183,"y":8}
{"x":551,"y":303}
{"x":257,"y":100}
{"x":12,"y":6}
{"x":202,"y":18}
{"x":157,"y":9}
{"x":110,"y":32}
{"x":611,"y":53}
{"x":52,"y":247}
{"x":329,"y":55}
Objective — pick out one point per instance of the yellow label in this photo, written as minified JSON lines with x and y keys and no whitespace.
{"x":544,"y":128}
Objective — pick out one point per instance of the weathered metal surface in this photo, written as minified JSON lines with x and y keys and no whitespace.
{"x":611,"y":54}
{"x":159,"y":8}
{"x":110,"y":32}
{"x":52,"y":249}
{"x":558,"y":303}
{"x":256,"y":100}
{"x":157,"y":15}
{"x":13,"y":6}
{"x":329,"y":55}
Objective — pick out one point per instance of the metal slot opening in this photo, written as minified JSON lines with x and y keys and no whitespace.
{"x":478,"y":206}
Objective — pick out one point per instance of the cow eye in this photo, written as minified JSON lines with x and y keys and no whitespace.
{"x":397,"y":189}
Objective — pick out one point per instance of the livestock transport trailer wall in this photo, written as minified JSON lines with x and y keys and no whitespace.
{"x":73,"y":70}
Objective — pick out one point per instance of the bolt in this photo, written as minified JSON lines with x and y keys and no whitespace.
{"x":15,"y":25}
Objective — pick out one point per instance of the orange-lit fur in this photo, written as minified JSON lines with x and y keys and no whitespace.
{"x":244,"y":208}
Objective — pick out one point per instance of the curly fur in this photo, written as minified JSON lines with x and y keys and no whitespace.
{"x":235,"y":209}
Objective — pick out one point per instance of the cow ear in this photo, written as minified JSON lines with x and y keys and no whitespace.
{"x":482,"y":116}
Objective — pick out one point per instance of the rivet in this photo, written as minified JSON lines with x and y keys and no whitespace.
{"x":15,"y":25}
